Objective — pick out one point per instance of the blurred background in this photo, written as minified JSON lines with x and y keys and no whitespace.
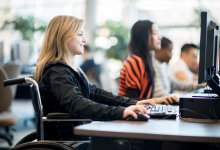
{"x":22,"y":24}
{"x":107,"y":25}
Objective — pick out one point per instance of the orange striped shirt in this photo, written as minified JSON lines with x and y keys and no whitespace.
{"x":134,"y":80}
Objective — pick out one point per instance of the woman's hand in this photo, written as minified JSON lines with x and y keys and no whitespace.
{"x":133,"y":109}
{"x":167,"y":99}
{"x":147,"y":102}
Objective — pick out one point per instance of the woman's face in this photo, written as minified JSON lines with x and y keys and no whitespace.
{"x":76,"y":44}
{"x":154,"y":41}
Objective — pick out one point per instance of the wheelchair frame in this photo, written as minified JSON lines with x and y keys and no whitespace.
{"x":39,"y":135}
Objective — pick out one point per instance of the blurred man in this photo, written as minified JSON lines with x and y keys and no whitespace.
{"x":163,"y":83}
{"x":187,"y":67}
{"x":90,"y":68}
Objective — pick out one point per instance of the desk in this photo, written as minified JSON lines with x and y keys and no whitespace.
{"x":154,"y":129}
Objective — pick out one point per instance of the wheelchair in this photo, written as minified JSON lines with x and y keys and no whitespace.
{"x":52,"y":131}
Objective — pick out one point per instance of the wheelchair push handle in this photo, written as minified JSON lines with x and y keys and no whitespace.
{"x":14,"y":81}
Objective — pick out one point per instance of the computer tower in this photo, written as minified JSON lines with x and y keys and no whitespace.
{"x":200,"y":106}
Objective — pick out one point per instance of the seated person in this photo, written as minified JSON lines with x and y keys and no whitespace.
{"x":185,"y":68}
{"x":163,"y":83}
{"x":90,"y":68}
{"x":65,"y":89}
{"x":137,"y":74}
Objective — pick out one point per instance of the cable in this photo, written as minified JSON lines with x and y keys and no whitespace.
{"x":213,"y":79}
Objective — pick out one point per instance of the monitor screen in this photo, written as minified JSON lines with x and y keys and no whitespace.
{"x":209,"y":48}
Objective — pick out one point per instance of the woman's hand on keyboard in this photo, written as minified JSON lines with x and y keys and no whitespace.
{"x":146,"y":102}
{"x":167,"y":99}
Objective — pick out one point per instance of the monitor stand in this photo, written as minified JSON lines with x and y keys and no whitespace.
{"x":213,"y":83}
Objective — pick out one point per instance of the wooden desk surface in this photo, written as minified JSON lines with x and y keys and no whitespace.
{"x":156,"y":129}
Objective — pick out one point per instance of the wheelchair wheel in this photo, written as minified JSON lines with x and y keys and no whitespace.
{"x":42,"y":145}
{"x":28,"y":138}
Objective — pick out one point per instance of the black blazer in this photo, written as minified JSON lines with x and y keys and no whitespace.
{"x":65,"y":90}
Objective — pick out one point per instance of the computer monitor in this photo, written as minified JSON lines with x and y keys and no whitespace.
{"x":209,"y":48}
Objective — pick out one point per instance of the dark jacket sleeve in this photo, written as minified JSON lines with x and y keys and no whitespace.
{"x":63,"y":86}
{"x":102,"y":96}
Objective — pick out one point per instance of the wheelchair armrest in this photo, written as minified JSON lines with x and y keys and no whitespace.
{"x":58,"y":115}
{"x":63,"y":116}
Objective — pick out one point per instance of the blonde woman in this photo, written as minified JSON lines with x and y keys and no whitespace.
{"x":65,"y":89}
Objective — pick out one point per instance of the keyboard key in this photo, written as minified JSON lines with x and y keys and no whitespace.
{"x":162,"y":111}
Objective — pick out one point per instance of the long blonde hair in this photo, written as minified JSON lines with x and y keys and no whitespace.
{"x":54,"y":48}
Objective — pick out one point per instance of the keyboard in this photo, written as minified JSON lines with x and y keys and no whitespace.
{"x":162,"y":111}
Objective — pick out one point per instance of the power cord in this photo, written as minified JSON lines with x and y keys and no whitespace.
{"x":213,"y":81}
{"x":204,"y":118}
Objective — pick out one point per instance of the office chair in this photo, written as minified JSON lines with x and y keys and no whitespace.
{"x":51,"y":130}
{"x":7,"y":119}
{"x":13,"y":70}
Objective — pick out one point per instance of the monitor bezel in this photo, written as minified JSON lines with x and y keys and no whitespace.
{"x":209,"y":49}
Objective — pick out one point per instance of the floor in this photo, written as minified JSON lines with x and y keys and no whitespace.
{"x":23,"y":110}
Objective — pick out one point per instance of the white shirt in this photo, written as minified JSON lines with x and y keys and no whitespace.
{"x":164,"y":85}
{"x":162,"y":79}
{"x":181,"y":66}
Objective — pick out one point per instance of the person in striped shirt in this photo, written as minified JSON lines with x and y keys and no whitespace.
{"x":137,"y":74}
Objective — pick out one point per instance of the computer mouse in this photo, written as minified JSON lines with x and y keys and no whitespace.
{"x":140,"y":117}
